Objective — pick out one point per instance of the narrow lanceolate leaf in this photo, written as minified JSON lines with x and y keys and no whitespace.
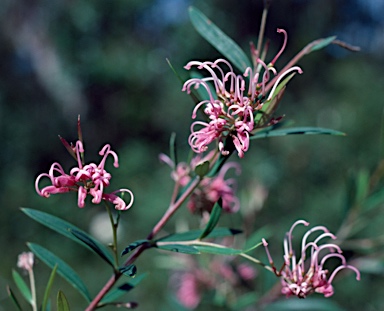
{"x":93,"y":244}
{"x":13,"y":298}
{"x":213,"y":220}
{"x":194,"y":234}
{"x":297,"y":131}
{"x":218,"y":250}
{"x":48,"y":289}
{"x":122,"y":289}
{"x":219,"y":40}
{"x":62,"y":302}
{"x":202,"y":169}
{"x":178,"y":248}
{"x":66,"y":229}
{"x":133,"y":245}
{"x":22,"y":286}
{"x":322,"y":43}
{"x":51,"y":260}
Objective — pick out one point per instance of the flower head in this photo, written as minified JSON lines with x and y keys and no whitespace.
{"x":301,"y":276}
{"x":90,"y":179}
{"x":25,"y":261}
{"x":234,"y":101}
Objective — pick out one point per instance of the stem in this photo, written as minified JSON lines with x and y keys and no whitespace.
{"x":168,"y":214}
{"x":114,"y":232}
{"x":33,"y":289}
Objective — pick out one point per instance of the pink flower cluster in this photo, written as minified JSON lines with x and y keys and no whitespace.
{"x":232,"y":107}
{"x":90,"y":179}
{"x":210,"y":189}
{"x":25,"y":261}
{"x":301,"y":277}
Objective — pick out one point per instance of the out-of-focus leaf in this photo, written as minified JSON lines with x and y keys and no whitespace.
{"x":219,"y":40}
{"x":22,"y":286}
{"x":373,"y":200}
{"x":122,"y":289}
{"x":202,"y":169}
{"x":48,"y":289}
{"x":62,"y":302}
{"x":65,"y":228}
{"x":51,"y":260}
{"x":370,"y":265}
{"x":298,"y":131}
{"x":214,"y":219}
{"x":129,"y":270}
{"x":173,"y":148}
{"x":178,"y":248}
{"x":194,"y":234}
{"x":13,"y":298}
{"x":322,"y":43}
{"x":218,"y":250}
{"x":312,"y":304}
{"x":244,"y":301}
{"x":93,"y":244}
{"x":133,"y":245}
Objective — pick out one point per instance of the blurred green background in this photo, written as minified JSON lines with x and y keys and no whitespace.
{"x":106,"y":60}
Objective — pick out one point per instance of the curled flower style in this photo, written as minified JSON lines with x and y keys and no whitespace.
{"x":90,"y":179}
{"x":232,"y":106}
{"x":301,"y":276}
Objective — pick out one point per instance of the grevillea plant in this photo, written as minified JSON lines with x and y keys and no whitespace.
{"x":235,"y":103}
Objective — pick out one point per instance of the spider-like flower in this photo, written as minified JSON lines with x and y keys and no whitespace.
{"x":232,"y":107}
{"x":301,"y":276}
{"x":87,"y":179}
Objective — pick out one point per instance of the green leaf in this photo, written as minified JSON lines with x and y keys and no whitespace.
{"x":194,"y":234}
{"x":66,"y":229}
{"x":373,"y":200}
{"x":219,"y":40}
{"x":93,"y":244}
{"x":278,"y":89}
{"x":244,"y":301}
{"x":62,"y":302}
{"x":178,"y":248}
{"x":13,"y":298}
{"x":322,"y":43}
{"x":255,"y":238}
{"x":129,"y":270}
{"x":312,"y":304}
{"x":297,"y":131}
{"x":214,"y":219}
{"x":51,"y":260}
{"x":218,"y":250}
{"x":22,"y":286}
{"x":134,"y":245}
{"x":202,"y":169}
{"x":173,"y":149}
{"x":48,"y":289}
{"x":122,"y":289}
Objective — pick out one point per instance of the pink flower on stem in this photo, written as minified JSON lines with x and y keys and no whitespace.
{"x":301,"y":276}
{"x":212,"y":189}
{"x":232,"y":107}
{"x":90,"y":179}
{"x":25,"y":261}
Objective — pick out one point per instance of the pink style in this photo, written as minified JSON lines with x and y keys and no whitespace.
{"x":90,"y":179}
{"x":232,"y":106}
{"x":301,"y":276}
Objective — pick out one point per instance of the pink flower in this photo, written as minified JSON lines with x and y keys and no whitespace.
{"x":189,"y":293}
{"x":90,"y":179}
{"x":301,"y":276}
{"x":212,"y":189}
{"x":25,"y":261}
{"x":232,"y":107}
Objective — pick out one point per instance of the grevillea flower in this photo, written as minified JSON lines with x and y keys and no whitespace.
{"x":234,"y":101}
{"x":210,"y":189}
{"x":301,"y":276}
{"x":25,"y":261}
{"x":90,"y":179}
